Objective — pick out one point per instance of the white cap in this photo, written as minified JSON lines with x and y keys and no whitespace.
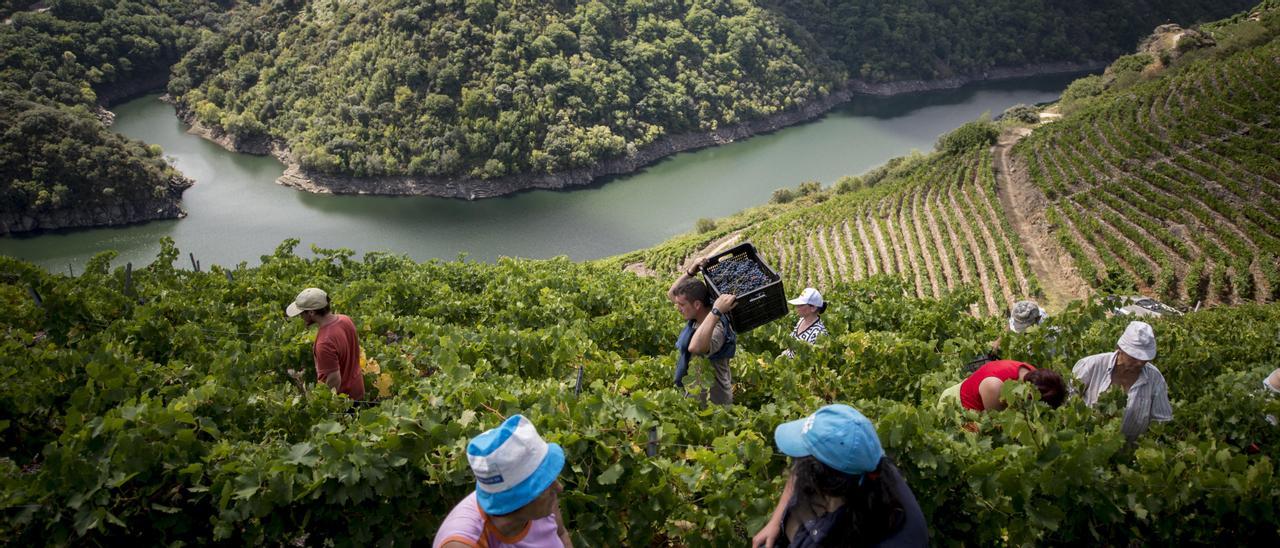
{"x":310,"y":299}
{"x":1138,"y":341}
{"x":808,"y":296}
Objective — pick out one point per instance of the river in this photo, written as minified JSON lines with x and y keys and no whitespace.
{"x":237,"y":213}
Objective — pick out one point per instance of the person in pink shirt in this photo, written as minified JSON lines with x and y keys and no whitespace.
{"x":516,"y":502}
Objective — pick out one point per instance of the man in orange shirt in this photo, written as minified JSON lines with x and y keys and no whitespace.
{"x":337,"y":347}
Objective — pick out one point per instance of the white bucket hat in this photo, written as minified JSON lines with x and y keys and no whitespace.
{"x":512,"y":465}
{"x":1138,"y":341}
{"x":1024,"y":314}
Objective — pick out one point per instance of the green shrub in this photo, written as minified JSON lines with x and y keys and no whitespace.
{"x":980,"y":132}
{"x":1026,"y":114}
{"x":808,"y":187}
{"x":848,"y":183}
{"x":1084,"y":88}
{"x":705,"y":225}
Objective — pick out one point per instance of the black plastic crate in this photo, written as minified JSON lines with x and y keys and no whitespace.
{"x":758,"y":306}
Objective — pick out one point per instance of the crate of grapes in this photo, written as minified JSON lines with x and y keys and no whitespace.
{"x":740,"y":272}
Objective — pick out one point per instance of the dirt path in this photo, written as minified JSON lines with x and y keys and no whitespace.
{"x":886,"y":258}
{"x":837,"y":250}
{"x":872,"y":267}
{"x":818,"y":271}
{"x":923,"y":241}
{"x":959,"y":215}
{"x":1006,"y":289}
{"x":828,"y":253}
{"x":900,"y":209}
{"x":943,"y":254}
{"x":1025,"y":205}
{"x":957,"y":247}
{"x":891,"y":228}
{"x":997,"y":216}
{"x":859,"y":270}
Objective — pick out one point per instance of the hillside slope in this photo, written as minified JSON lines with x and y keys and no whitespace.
{"x":1172,"y":185}
{"x":1162,"y":178}
{"x":394,"y":96}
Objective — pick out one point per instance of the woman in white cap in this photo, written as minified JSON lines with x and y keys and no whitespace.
{"x":809,"y":306}
{"x":1129,"y":369}
{"x":843,"y":490}
{"x":516,"y":501}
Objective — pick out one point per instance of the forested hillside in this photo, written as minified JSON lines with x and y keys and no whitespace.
{"x":60,"y":166}
{"x":483,"y":90}
{"x":1160,"y":177}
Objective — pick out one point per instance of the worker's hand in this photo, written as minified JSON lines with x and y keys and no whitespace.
{"x":725,"y":302}
{"x":766,"y":536}
{"x":698,"y":266}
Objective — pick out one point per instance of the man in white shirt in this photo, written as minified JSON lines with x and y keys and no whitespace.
{"x":1130,"y":369}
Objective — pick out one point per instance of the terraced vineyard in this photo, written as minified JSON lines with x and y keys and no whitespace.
{"x":1169,"y":187}
{"x":1174,"y":184}
{"x":938,"y":224}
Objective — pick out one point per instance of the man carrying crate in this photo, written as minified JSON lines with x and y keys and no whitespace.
{"x":713,"y":340}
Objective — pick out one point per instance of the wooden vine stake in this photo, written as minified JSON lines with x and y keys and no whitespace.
{"x":128,"y":279}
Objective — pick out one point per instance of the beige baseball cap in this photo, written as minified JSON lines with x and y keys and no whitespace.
{"x":311,"y":298}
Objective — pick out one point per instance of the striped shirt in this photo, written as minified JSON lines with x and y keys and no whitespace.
{"x":1148,"y":398}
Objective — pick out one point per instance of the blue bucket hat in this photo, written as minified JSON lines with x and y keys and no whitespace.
{"x":837,"y":435}
{"x":512,"y":465}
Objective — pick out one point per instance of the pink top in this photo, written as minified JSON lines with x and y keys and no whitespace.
{"x":468,"y":524}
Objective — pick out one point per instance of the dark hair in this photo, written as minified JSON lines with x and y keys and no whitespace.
{"x":872,"y":510}
{"x":694,"y":290}
{"x":1053,"y":390}
{"x":822,"y":308}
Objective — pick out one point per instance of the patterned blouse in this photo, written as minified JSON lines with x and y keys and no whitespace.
{"x":811,"y":334}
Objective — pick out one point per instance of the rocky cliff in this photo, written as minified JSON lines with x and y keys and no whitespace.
{"x":115,"y":213}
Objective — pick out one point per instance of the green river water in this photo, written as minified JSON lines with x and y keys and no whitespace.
{"x":237,"y":213}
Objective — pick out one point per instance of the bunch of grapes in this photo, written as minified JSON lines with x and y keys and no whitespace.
{"x":737,"y":276}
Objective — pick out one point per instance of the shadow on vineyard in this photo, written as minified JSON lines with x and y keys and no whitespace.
{"x":152,"y":406}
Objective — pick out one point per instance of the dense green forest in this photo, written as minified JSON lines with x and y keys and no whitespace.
{"x":930,"y":39}
{"x":55,"y":159}
{"x":486,"y":89}
{"x":56,"y":156}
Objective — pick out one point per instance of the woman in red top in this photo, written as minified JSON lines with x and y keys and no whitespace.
{"x":981,"y":391}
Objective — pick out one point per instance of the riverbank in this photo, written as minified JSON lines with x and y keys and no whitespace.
{"x":118,"y":213}
{"x":637,"y":158}
{"x":237,"y":212}
{"x":106,"y":211}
